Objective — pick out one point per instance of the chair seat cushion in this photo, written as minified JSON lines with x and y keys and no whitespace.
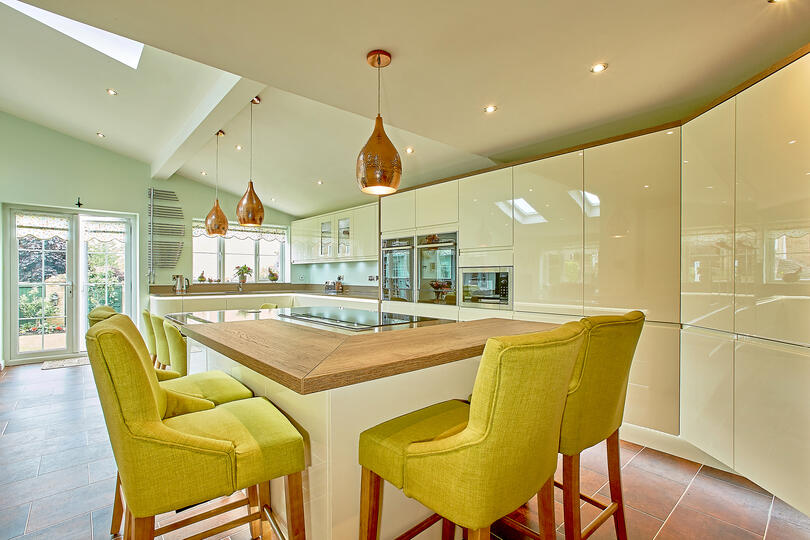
{"x":266,"y":444}
{"x":383,"y":447}
{"x":215,"y":386}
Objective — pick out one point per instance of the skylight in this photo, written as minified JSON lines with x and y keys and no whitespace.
{"x":523,"y":211}
{"x":118,"y":48}
{"x":591,"y":203}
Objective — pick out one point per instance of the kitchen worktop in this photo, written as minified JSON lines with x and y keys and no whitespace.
{"x":308,"y":358}
{"x":361,"y":294}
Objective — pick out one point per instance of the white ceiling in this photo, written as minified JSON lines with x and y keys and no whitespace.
{"x":299,"y":142}
{"x":450,"y":59}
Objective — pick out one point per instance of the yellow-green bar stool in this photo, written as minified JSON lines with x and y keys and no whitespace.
{"x":98,"y":314}
{"x":268,"y":305}
{"x":174,"y":451}
{"x":593,"y":412}
{"x":161,"y":345}
{"x":178,"y":350}
{"x":473,"y":463}
{"x":149,"y":335}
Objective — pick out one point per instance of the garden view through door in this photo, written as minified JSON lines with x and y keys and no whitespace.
{"x":52,"y":252}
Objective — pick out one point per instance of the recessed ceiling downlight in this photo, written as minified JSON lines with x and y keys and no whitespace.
{"x":599,"y":67}
{"x":490,"y":109}
{"x":100,"y":135}
{"x":111,"y":92}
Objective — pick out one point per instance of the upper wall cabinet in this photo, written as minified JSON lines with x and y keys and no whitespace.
{"x":548,"y":207}
{"x":773,"y":206}
{"x":707,"y":214}
{"x":437,"y":205}
{"x":632,"y":230}
{"x":348,"y":235}
{"x":304,"y":235}
{"x":398,"y":211}
{"x":485,"y":210}
{"x":365,"y":239}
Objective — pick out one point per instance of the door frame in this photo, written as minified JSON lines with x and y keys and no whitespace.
{"x":72,"y":312}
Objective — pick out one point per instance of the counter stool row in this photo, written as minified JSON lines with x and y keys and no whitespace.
{"x":180,"y":440}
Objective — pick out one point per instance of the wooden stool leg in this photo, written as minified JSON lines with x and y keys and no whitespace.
{"x":127,"y":525}
{"x":465,"y":534}
{"x":573,"y":525}
{"x":615,"y":478}
{"x":370,"y":503}
{"x":545,"y":510}
{"x":293,"y":486}
{"x":448,"y":529}
{"x":479,"y":534}
{"x":143,"y":528}
{"x":264,"y":500}
{"x":253,"y":505}
{"x":118,"y":508}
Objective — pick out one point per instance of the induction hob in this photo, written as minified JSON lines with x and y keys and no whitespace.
{"x":350,"y":319}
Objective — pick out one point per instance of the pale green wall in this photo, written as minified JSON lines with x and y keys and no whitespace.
{"x":39,"y":166}
{"x":355,"y":273}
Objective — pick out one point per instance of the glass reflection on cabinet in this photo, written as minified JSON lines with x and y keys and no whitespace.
{"x":326,"y":238}
{"x":397,"y":268}
{"x":344,"y":237}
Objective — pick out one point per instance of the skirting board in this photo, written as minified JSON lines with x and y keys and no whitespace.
{"x":671,"y":444}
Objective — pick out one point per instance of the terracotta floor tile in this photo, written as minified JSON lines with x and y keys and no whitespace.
{"x":729,"y":503}
{"x":527,"y":515}
{"x":648,"y":492}
{"x":672,"y":467}
{"x":732,"y":478}
{"x":779,"y":529}
{"x":595,"y":457}
{"x":590,"y":481}
{"x":640,"y":526}
{"x":78,"y":528}
{"x":65,"y":505}
{"x":12,"y":520}
{"x":782,"y":510}
{"x":688,"y":524}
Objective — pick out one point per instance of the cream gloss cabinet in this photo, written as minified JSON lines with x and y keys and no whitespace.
{"x":773,"y":207}
{"x":707,"y":391}
{"x":365,"y":232}
{"x":772,"y":418}
{"x":304,"y":240}
{"x":398,"y":211}
{"x":632,"y":232}
{"x":707,"y":219}
{"x":485,"y":210}
{"x":548,"y":209}
{"x":437,"y":205}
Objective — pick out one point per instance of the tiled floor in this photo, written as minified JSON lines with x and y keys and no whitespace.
{"x":58,"y":476}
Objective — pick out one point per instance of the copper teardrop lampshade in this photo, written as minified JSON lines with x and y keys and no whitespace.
{"x":379,"y":168}
{"x":250,"y":211}
{"x":215,"y":222}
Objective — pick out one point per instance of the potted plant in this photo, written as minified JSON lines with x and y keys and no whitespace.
{"x":243,"y":272}
{"x":272,"y":275}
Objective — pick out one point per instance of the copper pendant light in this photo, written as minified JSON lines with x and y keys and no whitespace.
{"x":379,"y":167}
{"x":250,"y":210}
{"x":215,"y":222}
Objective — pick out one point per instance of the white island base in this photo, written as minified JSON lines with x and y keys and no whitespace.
{"x":331,"y":422}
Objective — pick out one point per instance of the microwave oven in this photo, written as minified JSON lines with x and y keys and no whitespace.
{"x":488,"y":287}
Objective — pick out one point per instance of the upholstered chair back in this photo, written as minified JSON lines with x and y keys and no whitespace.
{"x":178,"y":351}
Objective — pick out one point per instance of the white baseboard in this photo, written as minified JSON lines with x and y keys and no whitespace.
{"x":671,"y":444}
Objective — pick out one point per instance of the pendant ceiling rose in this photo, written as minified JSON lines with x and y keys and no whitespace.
{"x":379,"y":167}
{"x":216,"y":223}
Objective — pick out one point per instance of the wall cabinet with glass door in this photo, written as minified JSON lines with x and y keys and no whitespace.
{"x":348,"y":235}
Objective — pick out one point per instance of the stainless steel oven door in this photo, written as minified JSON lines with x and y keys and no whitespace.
{"x":487,"y":287}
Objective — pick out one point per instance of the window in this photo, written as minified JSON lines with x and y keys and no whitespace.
{"x":790,"y":255}
{"x":261,"y":248}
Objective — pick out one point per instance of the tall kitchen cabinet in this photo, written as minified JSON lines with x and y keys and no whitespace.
{"x":548,"y":211}
{"x":485,"y":210}
{"x":631,"y":205}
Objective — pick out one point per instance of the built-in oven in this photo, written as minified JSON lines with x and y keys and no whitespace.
{"x":486,"y":287}
{"x":397,"y":269}
{"x":436,"y":268}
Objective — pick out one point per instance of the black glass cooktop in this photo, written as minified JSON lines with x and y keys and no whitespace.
{"x":350,"y":319}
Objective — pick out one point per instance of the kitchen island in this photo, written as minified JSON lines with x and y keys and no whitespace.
{"x":336,"y":372}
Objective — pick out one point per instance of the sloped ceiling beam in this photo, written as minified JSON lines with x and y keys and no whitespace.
{"x":224,"y":100}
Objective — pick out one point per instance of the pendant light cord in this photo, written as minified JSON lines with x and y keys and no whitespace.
{"x":216,"y":189}
{"x":378,"y":84}
{"x":251,"y":142}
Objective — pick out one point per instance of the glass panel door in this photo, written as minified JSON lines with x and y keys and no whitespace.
{"x":105,"y":279}
{"x":344,"y":237}
{"x":326,"y":239}
{"x":43,"y":283}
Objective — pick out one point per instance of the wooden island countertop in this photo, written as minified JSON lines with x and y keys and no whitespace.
{"x":308,"y":359}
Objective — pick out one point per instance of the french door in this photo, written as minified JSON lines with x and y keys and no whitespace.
{"x":62,"y":266}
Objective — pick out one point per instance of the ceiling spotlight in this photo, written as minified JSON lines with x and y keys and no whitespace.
{"x":112,"y":92}
{"x":670,"y":132}
{"x":320,"y":182}
{"x":792,"y":142}
{"x":646,"y":186}
{"x":272,"y":199}
{"x":409,"y":150}
{"x":100,"y":135}
{"x":238,"y":146}
{"x":774,"y":1}
{"x":599,"y":68}
{"x":203,"y":173}
{"x":490,"y":108}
